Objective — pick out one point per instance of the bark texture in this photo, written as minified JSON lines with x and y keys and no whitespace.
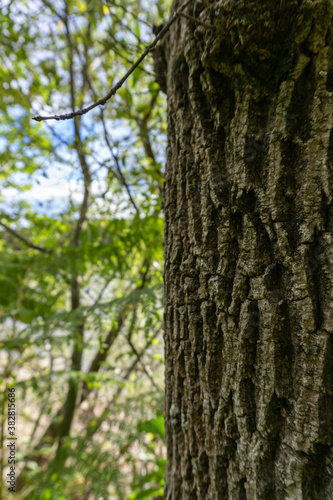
{"x":248,"y":251}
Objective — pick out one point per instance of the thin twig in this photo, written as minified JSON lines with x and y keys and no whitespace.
{"x":126,"y":375}
{"x":119,"y":54}
{"x":24,"y":240}
{"x":133,"y":15}
{"x":195,"y":20}
{"x":116,"y":160}
{"x":114,"y":89}
{"x":144,"y":367}
{"x":99,"y":296}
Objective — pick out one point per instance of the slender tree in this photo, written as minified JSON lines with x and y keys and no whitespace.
{"x":248,"y":250}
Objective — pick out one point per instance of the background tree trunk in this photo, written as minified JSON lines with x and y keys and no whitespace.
{"x":248,"y":251}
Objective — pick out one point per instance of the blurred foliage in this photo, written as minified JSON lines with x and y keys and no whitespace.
{"x":81,"y":296}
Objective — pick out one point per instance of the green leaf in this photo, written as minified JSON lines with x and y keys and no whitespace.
{"x":155,"y":426}
{"x":137,"y":31}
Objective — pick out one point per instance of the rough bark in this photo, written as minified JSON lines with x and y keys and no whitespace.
{"x":248,"y":252}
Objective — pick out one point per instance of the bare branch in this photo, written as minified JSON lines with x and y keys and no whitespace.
{"x":144,"y":367}
{"x":114,"y":89}
{"x":197,"y":21}
{"x":116,"y":160}
{"x":24,"y":240}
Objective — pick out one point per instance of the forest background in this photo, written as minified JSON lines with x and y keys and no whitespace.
{"x":81,"y":233}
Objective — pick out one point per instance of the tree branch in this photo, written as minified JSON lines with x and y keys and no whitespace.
{"x":24,"y":240}
{"x":116,"y":161}
{"x":118,"y":85}
{"x":130,"y":369}
{"x":144,"y":367}
{"x":197,"y":21}
{"x":76,"y":360}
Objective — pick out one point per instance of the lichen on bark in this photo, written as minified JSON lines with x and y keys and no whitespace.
{"x":248,"y":252}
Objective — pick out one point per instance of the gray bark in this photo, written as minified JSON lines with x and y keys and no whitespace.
{"x":248,"y":251}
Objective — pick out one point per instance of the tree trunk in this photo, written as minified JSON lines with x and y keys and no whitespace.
{"x":248,"y":251}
